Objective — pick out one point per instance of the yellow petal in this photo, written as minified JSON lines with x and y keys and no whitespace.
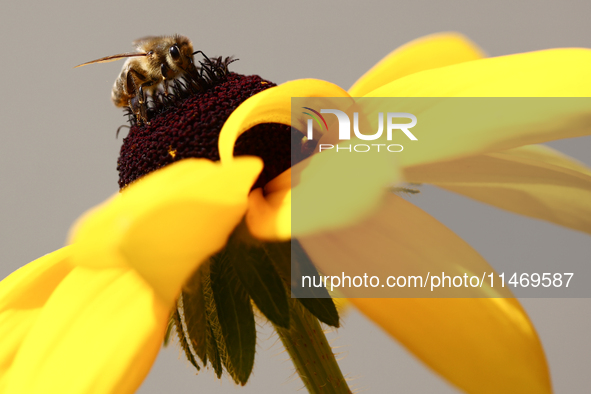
{"x":545,"y":154}
{"x":22,"y":296}
{"x":269,"y":217}
{"x":166,"y":224}
{"x":547,"y":73}
{"x":535,"y":181}
{"x":280,"y":182}
{"x":269,"y":212}
{"x":328,"y":190}
{"x":482,"y":345}
{"x":99,"y":333}
{"x":452,"y":128}
{"x":425,"y":53}
{"x":271,"y":106}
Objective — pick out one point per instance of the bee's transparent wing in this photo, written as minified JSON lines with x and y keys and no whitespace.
{"x":107,"y":59}
{"x":140,"y":41}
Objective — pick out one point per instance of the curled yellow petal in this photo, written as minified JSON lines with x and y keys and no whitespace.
{"x":269,"y":210}
{"x":269,"y":216}
{"x":23,"y":295}
{"x":271,"y":106}
{"x":482,"y":345}
{"x":167,"y":223}
{"x":425,"y":53}
{"x":535,"y":181}
{"x":328,"y":190}
{"x":280,"y":182}
{"x":99,"y":332}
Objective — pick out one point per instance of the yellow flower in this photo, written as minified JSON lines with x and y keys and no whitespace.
{"x":91,"y":316}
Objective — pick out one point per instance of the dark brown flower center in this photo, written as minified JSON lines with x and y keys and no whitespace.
{"x":191,"y":127}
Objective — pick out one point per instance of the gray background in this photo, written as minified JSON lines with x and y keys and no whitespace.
{"x":58,"y":149}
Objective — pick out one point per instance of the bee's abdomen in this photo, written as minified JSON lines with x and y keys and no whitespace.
{"x":119,"y":94}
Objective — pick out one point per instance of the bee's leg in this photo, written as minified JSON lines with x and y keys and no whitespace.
{"x":138,"y":82}
{"x":167,"y":74}
{"x":135,"y":110}
{"x":193,"y":75}
{"x":191,"y":69}
{"x":144,"y":102}
{"x":165,"y":86}
{"x":133,"y":80}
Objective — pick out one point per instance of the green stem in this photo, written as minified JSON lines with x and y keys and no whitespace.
{"x":310,"y":352}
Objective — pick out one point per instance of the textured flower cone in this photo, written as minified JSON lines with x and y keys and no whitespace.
{"x":92,"y":316}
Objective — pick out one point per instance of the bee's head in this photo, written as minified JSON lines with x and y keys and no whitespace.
{"x":180,"y":53}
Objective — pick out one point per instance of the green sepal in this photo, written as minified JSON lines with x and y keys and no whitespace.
{"x":214,"y":353}
{"x":323,"y":308}
{"x":258,"y":275}
{"x":193,"y":306}
{"x":169,"y":329}
{"x":183,"y":339}
{"x":212,"y":345}
{"x":311,"y":353}
{"x":293,"y":262}
{"x":236,"y":318}
{"x":279,"y":254}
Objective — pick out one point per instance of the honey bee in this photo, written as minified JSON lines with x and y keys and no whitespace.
{"x":158,"y":61}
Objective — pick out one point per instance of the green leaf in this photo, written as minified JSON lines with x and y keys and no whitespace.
{"x":257,"y":274}
{"x":193,"y":305}
{"x":236,"y":318}
{"x":293,"y":263}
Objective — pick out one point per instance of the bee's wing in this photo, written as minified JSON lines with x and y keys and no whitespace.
{"x":112,"y":58}
{"x":140,"y":41}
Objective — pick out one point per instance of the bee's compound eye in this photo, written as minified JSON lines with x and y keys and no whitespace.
{"x":174,"y":52}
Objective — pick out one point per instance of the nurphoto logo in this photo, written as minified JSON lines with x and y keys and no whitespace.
{"x":344,"y":129}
